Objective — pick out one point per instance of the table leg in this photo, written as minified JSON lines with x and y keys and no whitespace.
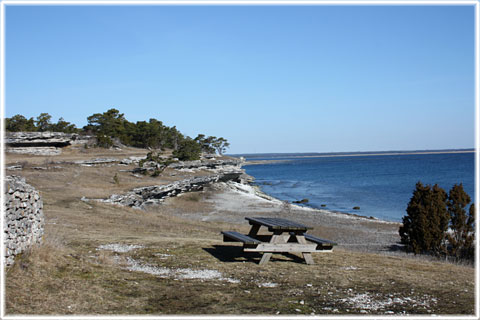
{"x":306,"y":255}
{"x":276,"y":238}
{"x":254,"y":230}
{"x":265,"y":258}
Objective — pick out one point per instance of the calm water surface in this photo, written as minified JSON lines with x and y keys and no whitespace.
{"x":380,"y":185}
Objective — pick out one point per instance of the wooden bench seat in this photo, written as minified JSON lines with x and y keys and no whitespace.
{"x":322,"y":243}
{"x":234,"y":236}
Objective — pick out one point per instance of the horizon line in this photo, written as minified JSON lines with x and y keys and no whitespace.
{"x":352,"y":153}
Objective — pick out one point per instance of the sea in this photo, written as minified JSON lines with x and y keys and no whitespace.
{"x":380,"y":184}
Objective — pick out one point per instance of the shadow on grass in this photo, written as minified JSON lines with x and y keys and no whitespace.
{"x":226,"y":253}
{"x":396,"y":248}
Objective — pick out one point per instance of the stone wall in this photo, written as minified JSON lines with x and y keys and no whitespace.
{"x":24,"y":220}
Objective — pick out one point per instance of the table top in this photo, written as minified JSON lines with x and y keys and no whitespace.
{"x":278,"y":224}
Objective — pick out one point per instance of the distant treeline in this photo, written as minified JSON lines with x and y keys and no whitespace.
{"x":112,"y":125}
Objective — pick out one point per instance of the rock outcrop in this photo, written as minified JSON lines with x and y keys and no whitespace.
{"x":207,"y":164}
{"x":24,"y":219}
{"x":141,"y":198}
{"x":41,"y":143}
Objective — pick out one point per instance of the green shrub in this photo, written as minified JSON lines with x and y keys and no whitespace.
{"x":104,"y":141}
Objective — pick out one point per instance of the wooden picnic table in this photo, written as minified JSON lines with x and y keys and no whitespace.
{"x":287,"y":236}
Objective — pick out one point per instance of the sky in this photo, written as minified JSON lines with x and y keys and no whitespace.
{"x":266,"y":78}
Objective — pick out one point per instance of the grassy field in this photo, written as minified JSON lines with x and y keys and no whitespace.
{"x":99,"y":259}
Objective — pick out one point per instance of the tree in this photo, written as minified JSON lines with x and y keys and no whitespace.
{"x":20,"y":123}
{"x":220,"y":144}
{"x":110,"y":124}
{"x":205,"y":143}
{"x":426,"y":222}
{"x":461,"y":225}
{"x":188,"y":149}
{"x":64,"y":126}
{"x":173,"y":138}
{"x":150,"y":134}
{"x":469,"y":249}
{"x":43,"y":122}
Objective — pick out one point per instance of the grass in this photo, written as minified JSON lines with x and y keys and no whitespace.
{"x":68,"y":274}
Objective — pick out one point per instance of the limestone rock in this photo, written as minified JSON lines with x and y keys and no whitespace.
{"x":41,"y":143}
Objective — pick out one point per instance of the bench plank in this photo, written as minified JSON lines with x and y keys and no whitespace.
{"x":238,"y":237}
{"x":278,"y":223}
{"x":282,"y":247}
{"x":318,"y":240}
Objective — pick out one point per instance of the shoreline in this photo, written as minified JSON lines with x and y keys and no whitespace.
{"x":261,"y":194}
{"x":231,"y":202}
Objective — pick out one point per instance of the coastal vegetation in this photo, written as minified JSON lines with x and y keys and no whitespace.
{"x":111,"y":126}
{"x":438,"y":223}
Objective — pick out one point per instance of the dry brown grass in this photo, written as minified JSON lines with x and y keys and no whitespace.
{"x":68,"y":275}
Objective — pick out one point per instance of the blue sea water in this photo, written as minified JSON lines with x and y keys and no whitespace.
{"x":381,"y":185}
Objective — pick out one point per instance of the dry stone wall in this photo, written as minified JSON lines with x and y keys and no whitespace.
{"x":24,"y":220}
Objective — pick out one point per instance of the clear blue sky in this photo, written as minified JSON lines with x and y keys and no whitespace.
{"x":267,"y":78}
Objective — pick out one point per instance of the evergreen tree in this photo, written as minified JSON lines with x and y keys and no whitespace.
{"x":43,"y":122}
{"x":426,"y":222}
{"x":438,"y":220}
{"x":220,"y":144}
{"x":205,"y":143}
{"x":469,"y":249}
{"x":64,"y":126}
{"x":20,"y":123}
{"x":107,"y":125}
{"x":188,"y":149}
{"x":461,"y":238}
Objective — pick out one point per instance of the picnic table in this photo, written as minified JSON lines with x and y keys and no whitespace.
{"x":285,"y":236}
